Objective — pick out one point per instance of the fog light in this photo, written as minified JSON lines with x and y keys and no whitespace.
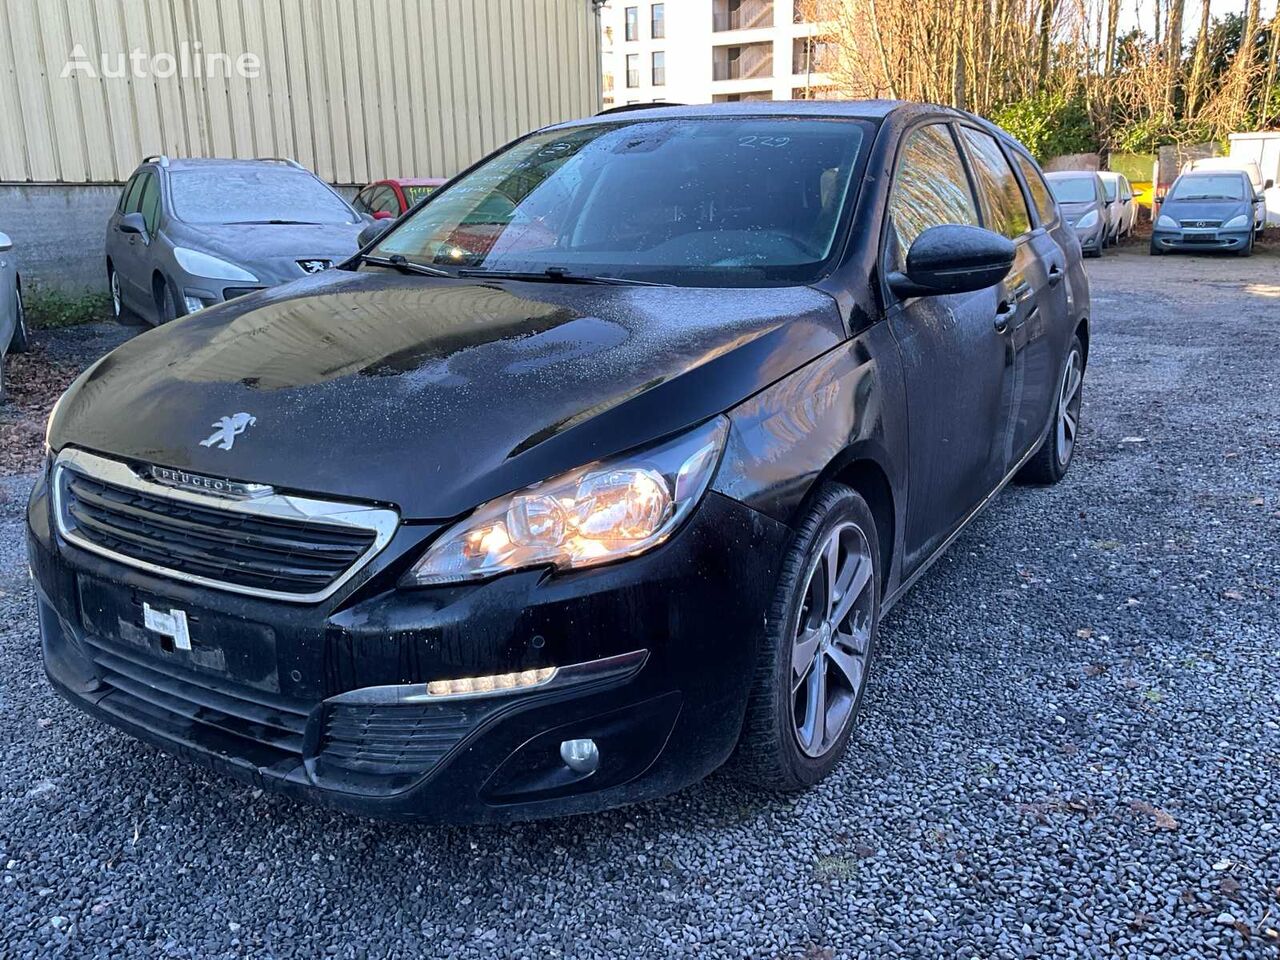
{"x":494,"y":683}
{"x":580,"y":756}
{"x":194,"y":304}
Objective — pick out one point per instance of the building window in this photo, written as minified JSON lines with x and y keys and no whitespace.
{"x":749,"y":97}
{"x":741,"y":14}
{"x":811,"y":55}
{"x":633,"y":23}
{"x":745,"y":62}
{"x":814,"y":11}
{"x":633,"y":69}
{"x":659,"y":68}
{"x":658,"y":21}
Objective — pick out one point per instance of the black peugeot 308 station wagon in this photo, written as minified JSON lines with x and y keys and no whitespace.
{"x":596,"y":471}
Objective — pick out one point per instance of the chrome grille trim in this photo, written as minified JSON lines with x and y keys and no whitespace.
{"x":304,"y":511}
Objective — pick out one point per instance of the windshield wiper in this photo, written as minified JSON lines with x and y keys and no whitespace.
{"x":303,"y":223}
{"x":1204,"y":196}
{"x":557,"y":275}
{"x":398,"y":261}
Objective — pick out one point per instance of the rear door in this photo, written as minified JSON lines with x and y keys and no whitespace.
{"x":1032,"y":291}
{"x":955,"y":361}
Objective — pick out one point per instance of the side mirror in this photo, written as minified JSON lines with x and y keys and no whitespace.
{"x":953,"y":259}
{"x":6,"y":244}
{"x":373,"y":232}
{"x":383,"y":215}
{"x":133,"y":223}
{"x":1160,"y":198}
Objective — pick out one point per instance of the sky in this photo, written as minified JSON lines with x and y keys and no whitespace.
{"x":1135,"y":12}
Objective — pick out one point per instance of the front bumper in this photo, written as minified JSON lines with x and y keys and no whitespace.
{"x":323,"y":702}
{"x":1090,"y":239}
{"x":1200,"y":240}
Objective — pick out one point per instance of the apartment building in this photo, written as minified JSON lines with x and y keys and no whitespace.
{"x":711,"y":51}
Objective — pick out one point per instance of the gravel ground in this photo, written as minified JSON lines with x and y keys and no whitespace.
{"x":1070,"y":749}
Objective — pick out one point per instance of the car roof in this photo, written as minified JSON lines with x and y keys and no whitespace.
{"x":1109,"y":175}
{"x":841,"y":109}
{"x":1214,"y":172}
{"x":411,"y":181}
{"x":222,"y":163}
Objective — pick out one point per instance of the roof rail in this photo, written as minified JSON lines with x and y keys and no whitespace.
{"x":289,"y":160}
{"x":627,"y":107}
{"x":159,"y":158}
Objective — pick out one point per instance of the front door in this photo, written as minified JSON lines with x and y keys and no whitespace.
{"x":955,"y":360}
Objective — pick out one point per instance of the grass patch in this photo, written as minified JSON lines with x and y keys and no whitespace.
{"x":47,"y":308}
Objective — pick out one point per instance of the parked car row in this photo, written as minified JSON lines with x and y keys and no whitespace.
{"x":189,"y":233}
{"x":13,"y":317}
{"x":1099,"y":206}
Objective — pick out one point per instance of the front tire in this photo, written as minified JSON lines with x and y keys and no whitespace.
{"x":1247,"y":249}
{"x":1050,"y":463}
{"x":820,"y":636}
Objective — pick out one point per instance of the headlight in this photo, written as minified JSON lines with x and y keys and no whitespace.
{"x":1090,"y":219}
{"x":1168,"y":223}
{"x":204,"y":265}
{"x":1237,"y":223}
{"x":598,"y":513}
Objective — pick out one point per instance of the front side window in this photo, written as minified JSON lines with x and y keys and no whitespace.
{"x":633,"y":23}
{"x":749,"y":201}
{"x":1207,"y":186}
{"x":1108,"y":188}
{"x":997,"y":184}
{"x":269,"y":194}
{"x":130,"y":195}
{"x":1039,"y":190}
{"x":930,"y":188}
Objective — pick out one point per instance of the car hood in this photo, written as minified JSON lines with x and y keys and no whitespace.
{"x":1222,"y":210}
{"x":436,"y":395}
{"x":272,"y":250}
{"x":1074,"y":211}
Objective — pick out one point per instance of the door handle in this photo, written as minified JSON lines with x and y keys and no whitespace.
{"x":1005,"y":311}
{"x":1055,"y":274}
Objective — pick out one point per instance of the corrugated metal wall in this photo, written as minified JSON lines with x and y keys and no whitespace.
{"x":354,"y":89}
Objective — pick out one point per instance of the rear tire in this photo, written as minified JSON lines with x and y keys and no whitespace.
{"x":123,"y":314}
{"x":1050,"y":463}
{"x":819,"y":641}
{"x":20,"y":342}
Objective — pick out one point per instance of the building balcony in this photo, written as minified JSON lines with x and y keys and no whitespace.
{"x":741,"y":15}
{"x":748,"y":61}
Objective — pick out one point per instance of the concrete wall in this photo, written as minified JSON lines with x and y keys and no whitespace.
{"x":1074,"y":161}
{"x":58,"y":232}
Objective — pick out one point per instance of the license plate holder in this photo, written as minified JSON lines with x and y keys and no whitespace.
{"x":193,"y":638}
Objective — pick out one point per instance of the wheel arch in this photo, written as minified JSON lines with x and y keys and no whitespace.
{"x":1082,"y":331}
{"x":862,"y":469}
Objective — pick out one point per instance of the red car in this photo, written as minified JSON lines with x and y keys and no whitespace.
{"x":387,"y":199}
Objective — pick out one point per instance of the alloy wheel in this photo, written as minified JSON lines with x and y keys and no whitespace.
{"x":832,"y":639}
{"x":1069,"y":407}
{"x":116,"y":303}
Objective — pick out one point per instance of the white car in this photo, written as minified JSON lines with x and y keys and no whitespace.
{"x":13,"y":322}
{"x":1122,"y":209}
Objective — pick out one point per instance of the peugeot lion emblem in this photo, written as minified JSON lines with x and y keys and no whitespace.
{"x":226,"y":429}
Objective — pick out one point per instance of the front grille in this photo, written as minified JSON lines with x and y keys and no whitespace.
{"x":231,"y":293}
{"x":1201,"y":223}
{"x":392,"y":738}
{"x":274,"y":546}
{"x":265,"y":729}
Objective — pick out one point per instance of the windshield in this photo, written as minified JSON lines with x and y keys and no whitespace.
{"x":723,"y":202}
{"x":413,"y":194}
{"x":1228,"y":186}
{"x":239,"y":195}
{"x":1074,"y":189}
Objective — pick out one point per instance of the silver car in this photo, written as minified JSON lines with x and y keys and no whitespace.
{"x":187,"y":234}
{"x":1083,"y":199}
{"x":13,"y":319}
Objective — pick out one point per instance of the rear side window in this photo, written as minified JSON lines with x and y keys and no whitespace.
{"x":1038,"y":189}
{"x":930,"y":188}
{"x":998,"y":185}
